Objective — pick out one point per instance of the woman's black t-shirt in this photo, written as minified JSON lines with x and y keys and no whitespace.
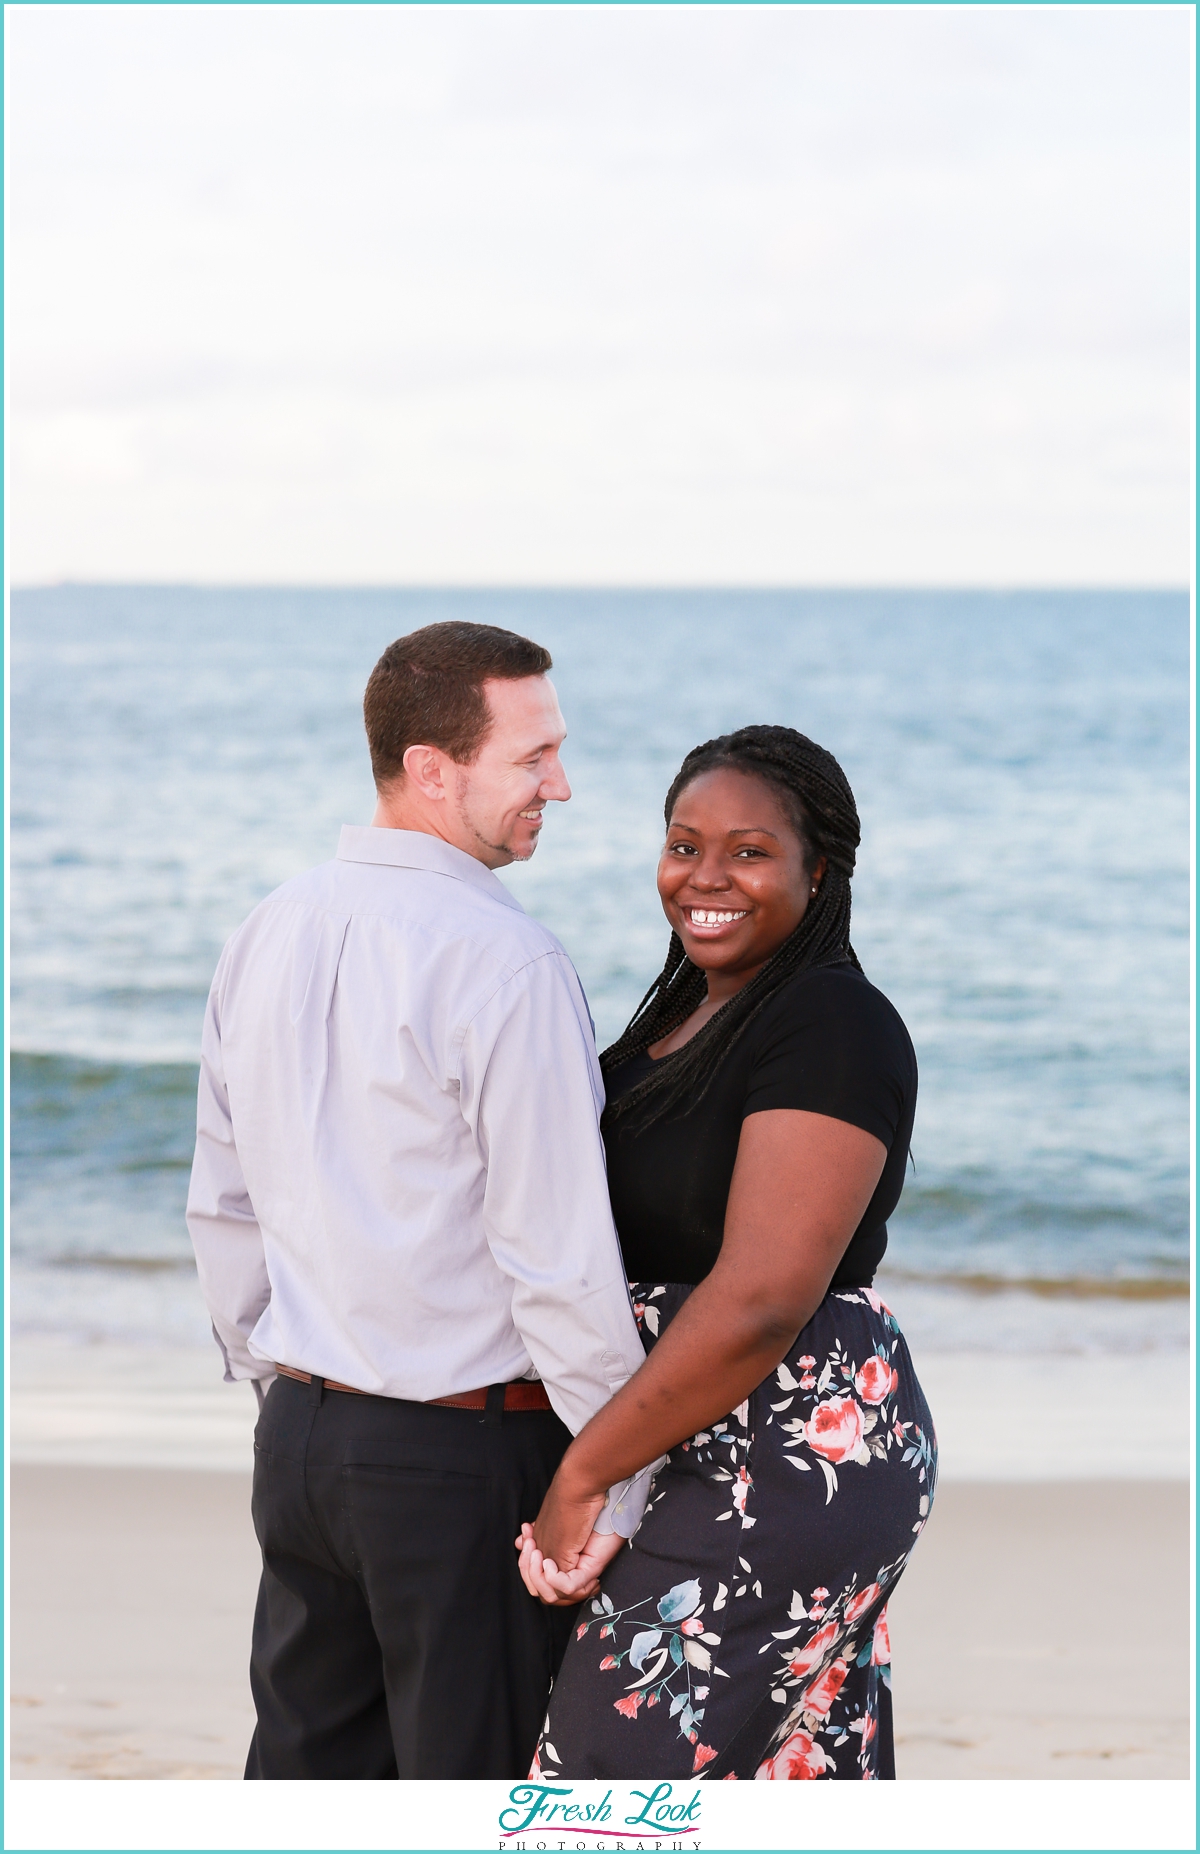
{"x":827,"y":1043}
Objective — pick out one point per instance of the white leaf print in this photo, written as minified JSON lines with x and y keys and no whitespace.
{"x":764,"y":1648}
{"x":721,"y":1671}
{"x":698,"y":1656}
{"x":656,"y":1293}
{"x":652,"y":1673}
{"x":757,"y":1588}
{"x":549,"y":1751}
{"x":597,"y":1606}
{"x":745,"y":1566}
{"x":607,"y":1602}
{"x":786,"y":1380}
{"x":747,"y":1522}
{"x":740,"y":1591}
{"x":785,"y":1405}
{"x":722,"y":1476}
{"x":785,"y":1635}
{"x":797,"y":1611}
{"x":722,"y":1593}
{"x":714,"y":1641}
{"x":778,"y":1695}
{"x":742,"y":1413}
{"x":797,"y":1463}
{"x":720,"y":1516}
{"x":677,"y":1704}
{"x":651,"y":1318}
{"x":826,"y":1377}
{"x":830,"y":1479}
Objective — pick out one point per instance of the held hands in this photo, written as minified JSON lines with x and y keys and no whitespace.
{"x":561,"y":1556}
{"x":561,"y":1589}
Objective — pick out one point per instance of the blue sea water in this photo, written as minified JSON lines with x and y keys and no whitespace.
{"x":1021,"y":766}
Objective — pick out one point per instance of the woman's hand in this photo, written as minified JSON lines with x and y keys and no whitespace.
{"x":560,"y":1589}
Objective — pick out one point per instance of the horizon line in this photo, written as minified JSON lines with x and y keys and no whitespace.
{"x":998,"y":589}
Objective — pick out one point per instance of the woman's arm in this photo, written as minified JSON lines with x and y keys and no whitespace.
{"x":800,"y":1188}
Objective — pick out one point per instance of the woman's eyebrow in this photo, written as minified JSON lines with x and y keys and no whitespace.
{"x":753,"y":830}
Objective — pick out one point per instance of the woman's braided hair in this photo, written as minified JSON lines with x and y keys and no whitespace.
{"x":818,"y":799}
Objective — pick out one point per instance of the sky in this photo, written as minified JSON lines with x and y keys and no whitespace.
{"x":599,"y":295}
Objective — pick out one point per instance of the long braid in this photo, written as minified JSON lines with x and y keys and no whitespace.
{"x":819,"y":800}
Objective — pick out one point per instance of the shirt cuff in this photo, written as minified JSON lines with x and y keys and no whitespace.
{"x":626,"y":1502}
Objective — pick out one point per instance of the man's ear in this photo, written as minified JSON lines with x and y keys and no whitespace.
{"x":425,"y":767}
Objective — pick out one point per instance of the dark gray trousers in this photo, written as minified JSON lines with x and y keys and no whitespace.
{"x":393,"y":1636}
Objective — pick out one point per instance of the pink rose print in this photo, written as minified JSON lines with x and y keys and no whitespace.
{"x":824,"y":1690}
{"x":581,"y":1631}
{"x":835,"y":1429}
{"x":798,"y":1759}
{"x":873,"y":1301}
{"x":807,"y":1381}
{"x":807,"y":1362}
{"x":859,"y":1604}
{"x":629,"y":1704}
{"x":869,"y":1728}
{"x":535,"y":1769}
{"x":704,"y":1755}
{"x":813,"y":1651}
{"x":692,"y":1625}
{"x":741,"y":1487}
{"x":820,"y":1591}
{"x":876,"y":1380}
{"x":609,"y":1660}
{"x":881,"y":1647}
{"x":652,"y":1700}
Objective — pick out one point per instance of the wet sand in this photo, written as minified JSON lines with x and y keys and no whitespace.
{"x":133,"y":1591}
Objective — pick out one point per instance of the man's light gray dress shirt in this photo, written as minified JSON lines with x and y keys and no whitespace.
{"x":399,"y":1181}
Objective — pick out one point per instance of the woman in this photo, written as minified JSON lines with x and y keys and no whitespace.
{"x":759,"y":1111}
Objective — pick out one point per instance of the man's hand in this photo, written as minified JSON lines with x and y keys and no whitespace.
{"x":561,"y":1589}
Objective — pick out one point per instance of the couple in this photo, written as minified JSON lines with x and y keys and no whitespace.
{"x":408,"y":1171}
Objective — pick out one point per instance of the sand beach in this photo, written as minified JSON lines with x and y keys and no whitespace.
{"x":133,"y":1582}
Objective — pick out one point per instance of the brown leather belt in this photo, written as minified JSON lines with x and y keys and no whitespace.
{"x":521,"y":1394}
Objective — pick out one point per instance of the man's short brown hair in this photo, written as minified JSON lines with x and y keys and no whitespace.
{"x":427,"y":690}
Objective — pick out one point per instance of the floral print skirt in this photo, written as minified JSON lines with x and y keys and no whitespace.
{"x":743,"y":1633}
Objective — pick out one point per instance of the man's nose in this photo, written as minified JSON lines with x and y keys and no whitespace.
{"x":555,"y":785}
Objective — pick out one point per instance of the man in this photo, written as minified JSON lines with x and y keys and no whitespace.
{"x":401,"y":1222}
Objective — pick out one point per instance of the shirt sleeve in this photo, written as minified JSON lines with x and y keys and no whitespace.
{"x":530,"y":1088}
{"x":226,"y":1237}
{"x":834,"y":1046}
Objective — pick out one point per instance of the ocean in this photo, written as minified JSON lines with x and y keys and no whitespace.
{"x":1020,"y":762}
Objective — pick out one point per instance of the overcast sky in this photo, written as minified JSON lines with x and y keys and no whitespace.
{"x":600,"y":295}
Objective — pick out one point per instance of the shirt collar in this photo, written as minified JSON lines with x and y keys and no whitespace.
{"x":416,"y":849}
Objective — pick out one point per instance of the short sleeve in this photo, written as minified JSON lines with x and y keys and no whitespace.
{"x":831,"y":1044}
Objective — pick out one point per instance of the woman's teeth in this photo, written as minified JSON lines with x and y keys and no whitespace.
{"x":715,"y":917}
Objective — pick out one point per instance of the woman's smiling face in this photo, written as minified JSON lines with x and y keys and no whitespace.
{"x":732,"y":873}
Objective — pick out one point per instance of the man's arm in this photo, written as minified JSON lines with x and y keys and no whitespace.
{"x":220,"y":1217}
{"x":530,"y":1089}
